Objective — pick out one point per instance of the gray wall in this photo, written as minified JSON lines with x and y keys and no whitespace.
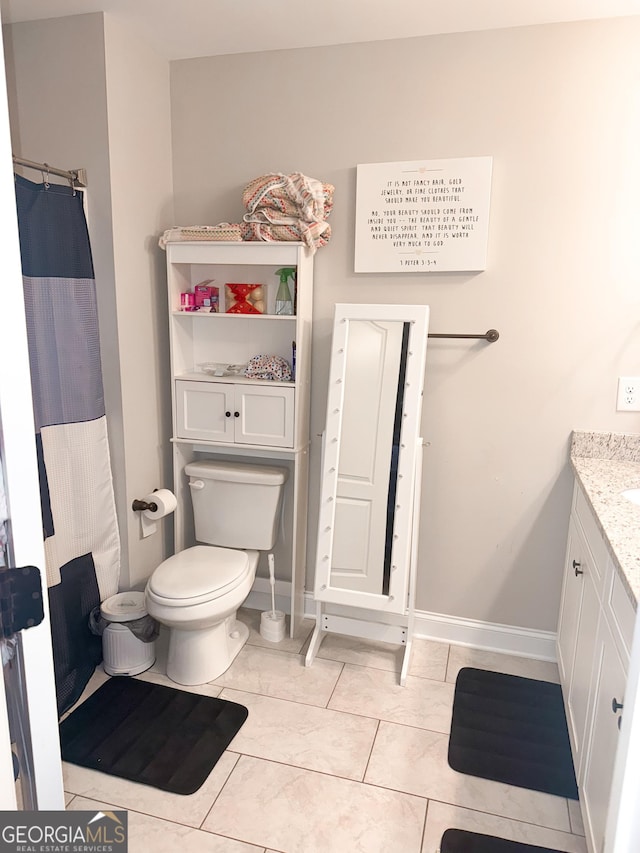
{"x":85,"y":92}
{"x":139,"y":145}
{"x":557,"y":108}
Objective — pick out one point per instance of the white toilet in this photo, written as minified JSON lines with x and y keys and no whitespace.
{"x":197,"y":592}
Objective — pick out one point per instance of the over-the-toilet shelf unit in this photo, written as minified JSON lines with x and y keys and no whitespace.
{"x":231,"y":416}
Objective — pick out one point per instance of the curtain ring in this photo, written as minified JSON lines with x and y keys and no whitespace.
{"x":45,"y":176}
{"x":72,"y":184}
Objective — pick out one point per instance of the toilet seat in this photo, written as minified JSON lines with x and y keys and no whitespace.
{"x":200,"y":574}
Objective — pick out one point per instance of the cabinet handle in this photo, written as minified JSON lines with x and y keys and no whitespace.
{"x":616,"y":706}
{"x":576,"y":568}
{"x":236,"y":414}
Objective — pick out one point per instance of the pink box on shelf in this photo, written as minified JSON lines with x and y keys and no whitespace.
{"x":187,"y":301}
{"x":207,"y":297}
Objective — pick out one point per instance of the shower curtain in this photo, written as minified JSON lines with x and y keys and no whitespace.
{"x":82,"y":544}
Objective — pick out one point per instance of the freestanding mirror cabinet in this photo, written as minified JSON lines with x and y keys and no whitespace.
{"x":370,"y":475}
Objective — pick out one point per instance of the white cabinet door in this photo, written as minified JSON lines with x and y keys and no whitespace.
{"x":205,"y":411}
{"x":609,"y":681}
{"x":579,"y":690}
{"x":570,"y":606}
{"x":235,"y":414}
{"x":576,"y":635}
{"x":265,"y":415}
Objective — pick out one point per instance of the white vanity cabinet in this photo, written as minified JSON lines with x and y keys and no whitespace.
{"x":594,"y":638}
{"x":231,"y":415}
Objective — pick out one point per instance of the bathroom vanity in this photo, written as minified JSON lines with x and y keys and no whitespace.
{"x":217,"y":411}
{"x":597,"y":616}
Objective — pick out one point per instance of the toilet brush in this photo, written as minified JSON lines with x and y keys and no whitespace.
{"x":272,"y":621}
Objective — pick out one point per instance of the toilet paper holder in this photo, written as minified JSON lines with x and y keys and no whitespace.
{"x":141,"y":506}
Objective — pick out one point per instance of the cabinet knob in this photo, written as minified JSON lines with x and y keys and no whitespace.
{"x":236,"y":414}
{"x":227,"y":414}
{"x":576,"y":568}
{"x":616,"y":706}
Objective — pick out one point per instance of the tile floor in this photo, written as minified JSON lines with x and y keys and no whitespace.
{"x":334,"y":758}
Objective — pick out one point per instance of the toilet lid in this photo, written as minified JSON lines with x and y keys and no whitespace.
{"x":204,"y":571}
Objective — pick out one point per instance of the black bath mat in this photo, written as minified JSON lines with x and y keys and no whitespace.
{"x":169,"y":739}
{"x":512,"y":730}
{"x":459,"y":841}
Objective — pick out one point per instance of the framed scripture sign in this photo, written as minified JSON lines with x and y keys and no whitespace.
{"x":423,"y":215}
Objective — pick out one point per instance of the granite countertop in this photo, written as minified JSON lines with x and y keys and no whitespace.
{"x":607,"y":464}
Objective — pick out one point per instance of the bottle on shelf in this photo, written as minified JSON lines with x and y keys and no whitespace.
{"x":284,"y":302}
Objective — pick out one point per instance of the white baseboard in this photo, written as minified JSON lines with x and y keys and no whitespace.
{"x":487,"y":636}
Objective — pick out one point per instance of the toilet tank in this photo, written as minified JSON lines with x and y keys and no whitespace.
{"x":236,"y":505}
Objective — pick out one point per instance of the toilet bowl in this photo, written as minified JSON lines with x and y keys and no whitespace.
{"x":197,"y":592}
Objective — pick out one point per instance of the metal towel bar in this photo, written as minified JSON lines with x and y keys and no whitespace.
{"x":490,"y":336}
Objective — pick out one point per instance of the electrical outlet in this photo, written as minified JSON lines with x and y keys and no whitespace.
{"x":628,"y":394}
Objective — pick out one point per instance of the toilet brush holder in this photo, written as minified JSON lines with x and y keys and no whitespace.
{"x":272,"y":625}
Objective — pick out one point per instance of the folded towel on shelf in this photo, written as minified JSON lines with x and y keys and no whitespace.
{"x":279,"y":208}
{"x":224,"y":232}
{"x":288,"y":207}
{"x":314,"y":235}
{"x":295,"y":195}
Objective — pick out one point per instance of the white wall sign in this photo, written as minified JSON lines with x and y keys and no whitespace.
{"x":423,"y":216}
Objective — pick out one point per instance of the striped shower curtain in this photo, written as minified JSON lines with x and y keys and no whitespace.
{"x":82,"y":544}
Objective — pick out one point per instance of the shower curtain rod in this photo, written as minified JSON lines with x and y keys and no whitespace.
{"x":77,"y":177}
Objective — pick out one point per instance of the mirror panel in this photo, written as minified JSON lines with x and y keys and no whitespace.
{"x":364,"y":460}
{"x":373,"y":418}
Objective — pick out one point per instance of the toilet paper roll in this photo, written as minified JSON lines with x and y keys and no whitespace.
{"x":165,"y":502}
